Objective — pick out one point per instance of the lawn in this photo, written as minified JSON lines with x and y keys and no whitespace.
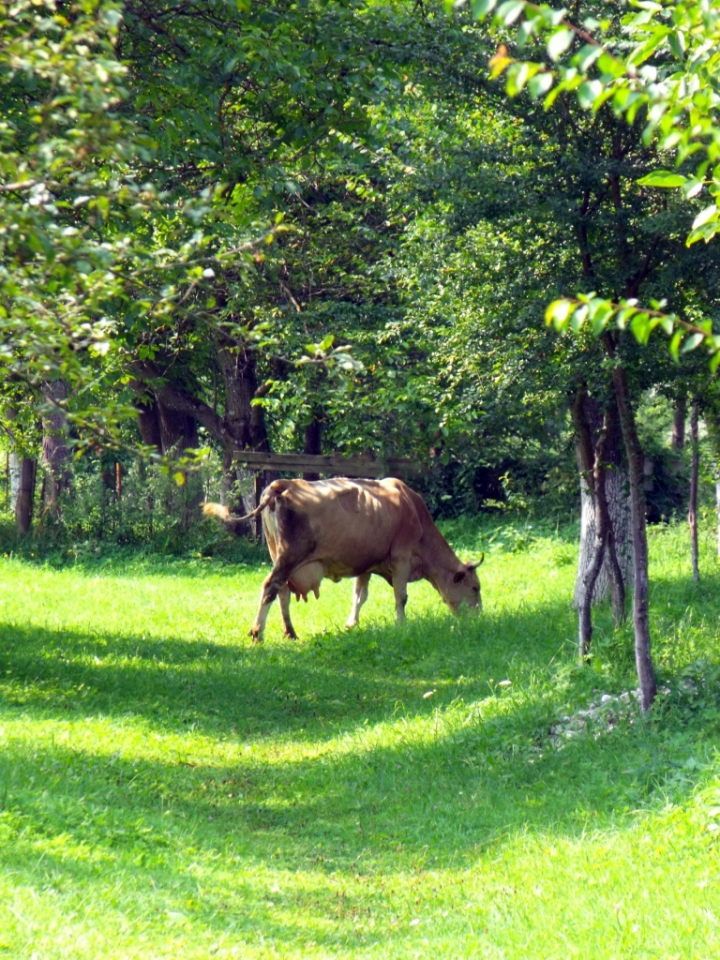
{"x":439,"y":790}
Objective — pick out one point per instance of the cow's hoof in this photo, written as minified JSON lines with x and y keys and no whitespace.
{"x":255,"y":635}
{"x":290,"y":636}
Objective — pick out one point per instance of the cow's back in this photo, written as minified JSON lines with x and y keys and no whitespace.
{"x":350,"y":526}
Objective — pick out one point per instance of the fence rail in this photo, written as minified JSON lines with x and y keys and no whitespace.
{"x":331,"y":465}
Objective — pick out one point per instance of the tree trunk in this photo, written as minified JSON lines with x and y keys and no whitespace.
{"x":55,"y":451}
{"x":14,"y":467}
{"x":617,"y":488}
{"x":245,"y":420}
{"x":694,"y":479}
{"x":313,"y":441}
{"x":178,"y":430}
{"x":602,"y":473}
{"x":149,"y":424}
{"x":633,"y":449}
{"x":26,"y":496}
{"x":678,"y":430}
{"x":593,"y":448}
{"x":712,"y":422}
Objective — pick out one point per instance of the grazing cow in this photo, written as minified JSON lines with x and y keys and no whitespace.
{"x":352,"y":528}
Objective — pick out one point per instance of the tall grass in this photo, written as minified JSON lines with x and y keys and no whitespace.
{"x":169,"y":790}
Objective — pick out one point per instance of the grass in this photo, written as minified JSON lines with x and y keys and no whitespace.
{"x":167,"y":790}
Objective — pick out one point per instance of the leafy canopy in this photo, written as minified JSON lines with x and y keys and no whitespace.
{"x":658,"y":65}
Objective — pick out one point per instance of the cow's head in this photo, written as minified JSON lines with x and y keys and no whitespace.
{"x":464,"y":587}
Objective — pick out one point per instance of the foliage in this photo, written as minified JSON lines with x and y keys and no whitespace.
{"x":166,"y":789}
{"x":84,"y":236}
{"x":657,"y":66}
{"x":150,"y":512}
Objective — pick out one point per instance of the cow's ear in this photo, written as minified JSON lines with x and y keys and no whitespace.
{"x":459,"y":576}
{"x":476,"y":564}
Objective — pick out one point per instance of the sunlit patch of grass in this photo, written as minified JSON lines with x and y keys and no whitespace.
{"x":167,"y":789}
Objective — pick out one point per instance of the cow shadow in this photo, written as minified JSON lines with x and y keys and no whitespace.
{"x":280,"y":687}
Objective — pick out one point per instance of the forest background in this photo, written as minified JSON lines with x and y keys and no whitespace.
{"x":234,"y":227}
{"x":479,"y":237}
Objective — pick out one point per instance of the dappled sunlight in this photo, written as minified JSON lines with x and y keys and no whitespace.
{"x":387,"y":784}
{"x":322,"y":844}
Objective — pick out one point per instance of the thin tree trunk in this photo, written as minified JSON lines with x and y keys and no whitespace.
{"x":678,"y":430}
{"x":694,"y":479}
{"x":713,"y":430}
{"x":605,"y":510}
{"x":587,"y":460}
{"x":26,"y":496}
{"x":641,"y":623}
{"x":14,"y":465}
{"x":55,"y":451}
{"x":616,"y":573}
{"x":592,"y":460}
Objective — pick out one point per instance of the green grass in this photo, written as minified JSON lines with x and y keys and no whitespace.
{"x":168,"y":790}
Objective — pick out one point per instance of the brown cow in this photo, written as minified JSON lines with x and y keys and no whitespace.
{"x":353,"y":528}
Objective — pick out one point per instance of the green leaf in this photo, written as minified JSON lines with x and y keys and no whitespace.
{"x":509,"y":11}
{"x":675,"y":344}
{"x":482,"y":7}
{"x":587,"y":56}
{"x":579,"y":317}
{"x":518,"y":76}
{"x":558,"y":43}
{"x":692,"y":188}
{"x":611,"y":66}
{"x":705,"y":216}
{"x":557,"y":313}
{"x":641,"y":53}
{"x":693,"y":341}
{"x":588,"y":92}
{"x":640,"y":326}
{"x":540,"y":83}
{"x":662,"y":178}
{"x":676,"y":42}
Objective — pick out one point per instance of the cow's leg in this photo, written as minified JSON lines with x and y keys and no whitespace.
{"x":272,"y":586}
{"x":400,"y":579}
{"x":284,"y":598}
{"x":360,"y":595}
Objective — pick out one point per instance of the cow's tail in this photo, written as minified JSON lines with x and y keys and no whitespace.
{"x":220,"y":511}
{"x":268,"y":499}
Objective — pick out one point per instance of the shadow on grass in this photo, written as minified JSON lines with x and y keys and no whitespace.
{"x":307,"y":689}
{"x":80,"y":819}
{"x":410,"y":781}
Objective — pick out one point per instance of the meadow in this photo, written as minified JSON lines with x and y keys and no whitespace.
{"x":457,"y":787}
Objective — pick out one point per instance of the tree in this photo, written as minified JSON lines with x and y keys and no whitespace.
{"x":632,"y":85}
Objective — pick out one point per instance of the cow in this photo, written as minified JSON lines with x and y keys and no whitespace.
{"x":352,"y":528}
